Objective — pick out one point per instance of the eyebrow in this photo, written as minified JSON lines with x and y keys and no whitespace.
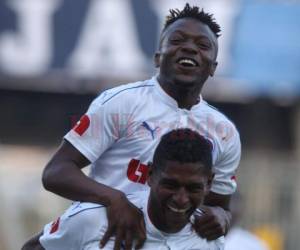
{"x":176,"y":183}
{"x":197,"y":36}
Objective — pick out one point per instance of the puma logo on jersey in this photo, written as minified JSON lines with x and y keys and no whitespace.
{"x":147,"y":127}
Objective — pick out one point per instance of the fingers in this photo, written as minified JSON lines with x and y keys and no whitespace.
{"x":119,"y":239}
{"x":141,"y":235}
{"x":210,"y":231}
{"x":205,"y":209}
{"x":128,"y":241}
{"x":213,"y":233}
{"x":140,"y":242}
{"x":142,"y":231}
{"x":127,"y":229}
{"x":203,"y":219}
{"x":208,"y":227}
{"x":109,"y":232}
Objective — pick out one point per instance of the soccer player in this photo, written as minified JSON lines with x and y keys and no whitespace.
{"x":179,"y":179}
{"x":122,"y":127}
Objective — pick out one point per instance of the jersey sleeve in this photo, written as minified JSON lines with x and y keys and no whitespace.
{"x":98,"y":128}
{"x":225,"y":167}
{"x":80,"y":226}
{"x":61,"y":234}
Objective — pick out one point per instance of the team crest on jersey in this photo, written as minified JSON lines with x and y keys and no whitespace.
{"x":82,"y":125}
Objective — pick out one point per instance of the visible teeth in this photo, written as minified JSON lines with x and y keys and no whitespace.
{"x":177,"y":210}
{"x":187,"y":62}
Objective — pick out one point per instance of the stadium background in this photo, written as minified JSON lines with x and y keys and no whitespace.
{"x":57,"y":55}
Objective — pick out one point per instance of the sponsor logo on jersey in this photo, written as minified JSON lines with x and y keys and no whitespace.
{"x":137,"y":172}
{"x":152,"y":131}
{"x":55,"y":226}
{"x":82,"y":125}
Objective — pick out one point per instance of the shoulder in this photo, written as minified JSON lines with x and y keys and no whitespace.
{"x":130,"y":91}
{"x":83,"y":214}
{"x":79,"y":217}
{"x":216,"y":114}
{"x":222,"y":128}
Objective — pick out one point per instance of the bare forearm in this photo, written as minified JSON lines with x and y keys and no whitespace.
{"x":33,"y":243}
{"x":217,"y":200}
{"x":220,"y":203}
{"x":70,"y":182}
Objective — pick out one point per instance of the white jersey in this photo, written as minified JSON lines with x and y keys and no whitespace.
{"x":83,"y":225}
{"x":238,"y":237}
{"x":123,"y":126}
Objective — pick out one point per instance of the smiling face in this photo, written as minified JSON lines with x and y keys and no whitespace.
{"x":175,"y":194}
{"x":187,"y":54}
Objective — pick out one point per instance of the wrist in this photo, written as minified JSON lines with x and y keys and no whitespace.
{"x":115,"y":196}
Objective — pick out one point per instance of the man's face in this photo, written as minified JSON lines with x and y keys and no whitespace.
{"x":187,"y":54}
{"x":176,"y":192}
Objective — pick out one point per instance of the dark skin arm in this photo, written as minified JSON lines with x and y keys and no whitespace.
{"x":33,"y":243}
{"x":216,"y":219}
{"x":63,"y":176}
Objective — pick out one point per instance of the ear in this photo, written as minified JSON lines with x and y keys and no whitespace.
{"x":157,"y":59}
{"x":150,"y":174}
{"x":213,"y":68}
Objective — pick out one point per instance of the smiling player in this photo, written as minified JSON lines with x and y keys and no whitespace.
{"x":179,"y":179}
{"x":122,"y":127}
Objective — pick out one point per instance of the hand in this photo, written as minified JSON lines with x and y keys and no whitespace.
{"x":213,"y":223}
{"x":126,"y":222}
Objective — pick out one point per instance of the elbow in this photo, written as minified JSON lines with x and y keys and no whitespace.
{"x":49,"y":178}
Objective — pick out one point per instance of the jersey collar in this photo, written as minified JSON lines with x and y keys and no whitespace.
{"x":170,"y":101}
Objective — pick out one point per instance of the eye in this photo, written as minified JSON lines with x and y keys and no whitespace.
{"x":176,"y":39}
{"x":196,"y":189}
{"x":203,"y":45}
{"x":169,"y":186}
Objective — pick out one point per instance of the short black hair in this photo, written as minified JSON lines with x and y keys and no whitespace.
{"x":193,"y":12}
{"x":184,"y":146}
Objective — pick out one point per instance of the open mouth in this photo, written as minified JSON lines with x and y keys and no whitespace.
{"x":177,"y":210}
{"x":187,"y":62}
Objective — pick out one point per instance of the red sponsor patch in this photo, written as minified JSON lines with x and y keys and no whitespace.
{"x":137,"y":172}
{"x":82,"y":125}
{"x":55,"y":226}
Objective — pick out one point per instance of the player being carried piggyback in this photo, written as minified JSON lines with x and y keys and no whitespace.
{"x":122,"y":127}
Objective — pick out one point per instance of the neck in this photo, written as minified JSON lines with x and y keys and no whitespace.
{"x":186,"y":97}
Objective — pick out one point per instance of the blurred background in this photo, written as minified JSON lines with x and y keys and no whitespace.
{"x":57,"y":55}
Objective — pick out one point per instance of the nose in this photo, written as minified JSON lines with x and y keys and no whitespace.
{"x":181,"y":198}
{"x":189,"y":47}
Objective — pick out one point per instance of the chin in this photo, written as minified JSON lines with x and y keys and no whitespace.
{"x":185,"y":81}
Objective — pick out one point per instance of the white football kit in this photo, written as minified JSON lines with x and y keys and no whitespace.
{"x":123,"y":126}
{"x":83,"y":225}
